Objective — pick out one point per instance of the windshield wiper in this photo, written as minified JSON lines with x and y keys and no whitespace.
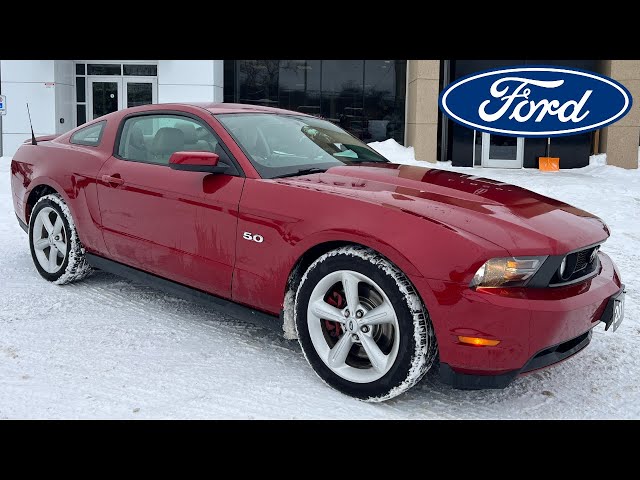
{"x":302,"y":171}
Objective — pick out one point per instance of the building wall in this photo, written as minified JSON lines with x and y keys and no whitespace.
{"x":422,"y":108}
{"x":190,"y":81}
{"x":620,"y":140}
{"x":33,"y":81}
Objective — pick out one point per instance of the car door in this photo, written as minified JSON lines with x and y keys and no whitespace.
{"x":177,"y":224}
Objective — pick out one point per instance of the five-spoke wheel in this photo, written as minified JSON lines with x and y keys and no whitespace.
{"x":362,"y":325}
{"x":353,"y":326}
{"x":49,"y":240}
{"x":56,"y":249}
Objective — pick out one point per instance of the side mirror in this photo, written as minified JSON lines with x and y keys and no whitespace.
{"x":196,"y":162}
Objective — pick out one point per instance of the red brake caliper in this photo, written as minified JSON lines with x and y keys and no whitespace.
{"x":337,"y":301}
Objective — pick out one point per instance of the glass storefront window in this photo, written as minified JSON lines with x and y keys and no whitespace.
{"x":342,"y":95}
{"x":140,"y":70}
{"x":104,"y":69}
{"x":139,"y":94}
{"x":258,"y":82}
{"x":229,"y":81}
{"x":384,"y":97}
{"x":80,"y":90}
{"x":299,"y":86}
{"x":366,"y":97}
{"x":81,"y":114}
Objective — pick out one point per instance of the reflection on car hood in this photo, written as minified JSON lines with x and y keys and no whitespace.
{"x":517,"y":219}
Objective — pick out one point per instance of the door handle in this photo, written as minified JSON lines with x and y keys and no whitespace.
{"x":114,"y":180}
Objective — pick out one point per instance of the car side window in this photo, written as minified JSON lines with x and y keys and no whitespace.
{"x":89,"y":136}
{"x":154,"y":138}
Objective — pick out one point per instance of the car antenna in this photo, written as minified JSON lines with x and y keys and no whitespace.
{"x":33,"y":137}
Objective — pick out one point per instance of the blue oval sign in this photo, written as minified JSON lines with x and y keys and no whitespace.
{"x":535,"y":101}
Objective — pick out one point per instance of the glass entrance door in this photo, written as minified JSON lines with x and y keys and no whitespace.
{"x":140,"y":91}
{"x":104,"y":96}
{"x":108,"y":94}
{"x":499,"y":151}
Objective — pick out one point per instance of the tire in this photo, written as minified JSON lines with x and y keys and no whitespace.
{"x":340,"y":345}
{"x":55,"y":236}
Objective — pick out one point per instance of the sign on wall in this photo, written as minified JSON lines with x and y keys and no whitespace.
{"x":535,"y":101}
{"x":3,"y":105}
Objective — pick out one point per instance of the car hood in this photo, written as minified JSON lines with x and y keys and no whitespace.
{"x":521,"y":221}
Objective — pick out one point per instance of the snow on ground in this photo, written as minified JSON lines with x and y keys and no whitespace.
{"x":109,"y":348}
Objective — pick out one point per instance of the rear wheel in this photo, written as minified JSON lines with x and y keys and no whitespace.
{"x":362,"y":326}
{"x":56,"y":249}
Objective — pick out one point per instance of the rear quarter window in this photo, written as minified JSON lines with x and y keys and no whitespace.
{"x":89,"y":136}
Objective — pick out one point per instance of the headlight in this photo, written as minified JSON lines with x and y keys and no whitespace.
{"x":506,"y":272}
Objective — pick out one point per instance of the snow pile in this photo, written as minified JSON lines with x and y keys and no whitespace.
{"x":598,"y":160}
{"x":392,"y":150}
{"x":397,"y":153}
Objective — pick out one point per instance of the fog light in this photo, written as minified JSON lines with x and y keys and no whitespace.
{"x":563,"y":267}
{"x":481,"y":342}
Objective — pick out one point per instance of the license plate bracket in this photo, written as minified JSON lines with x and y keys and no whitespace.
{"x":614,"y":311}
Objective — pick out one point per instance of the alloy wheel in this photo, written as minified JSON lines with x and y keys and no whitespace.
{"x":49,"y":239}
{"x":353,"y":326}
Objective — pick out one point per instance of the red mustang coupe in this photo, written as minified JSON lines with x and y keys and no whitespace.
{"x":376,"y":268}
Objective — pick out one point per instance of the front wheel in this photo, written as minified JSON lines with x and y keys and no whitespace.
{"x":362,"y":326}
{"x":56,"y":249}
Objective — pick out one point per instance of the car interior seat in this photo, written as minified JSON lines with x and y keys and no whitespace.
{"x":191,"y":141}
{"x":137,"y":148}
{"x":166,"y":141}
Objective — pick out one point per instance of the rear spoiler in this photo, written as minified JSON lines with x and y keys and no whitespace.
{"x":42,"y":138}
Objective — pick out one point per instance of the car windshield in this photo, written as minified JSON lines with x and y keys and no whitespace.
{"x":286,"y":145}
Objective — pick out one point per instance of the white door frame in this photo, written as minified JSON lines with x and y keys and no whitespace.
{"x":131,"y":79}
{"x":516,"y":162}
{"x":104,"y":79}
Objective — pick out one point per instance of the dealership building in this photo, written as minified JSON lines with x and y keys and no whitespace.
{"x":373,"y":99}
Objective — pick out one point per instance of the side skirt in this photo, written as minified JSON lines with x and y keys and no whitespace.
{"x":179,"y":290}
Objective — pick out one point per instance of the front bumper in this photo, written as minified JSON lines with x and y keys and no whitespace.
{"x":546,"y":357}
{"x":537,"y":327}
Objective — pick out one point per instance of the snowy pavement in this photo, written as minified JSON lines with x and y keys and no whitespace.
{"x":109,"y":348}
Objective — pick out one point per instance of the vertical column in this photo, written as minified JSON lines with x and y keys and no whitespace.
{"x":422,"y":108}
{"x":218,"y":80}
{"x":64,"y":76}
{"x":190,"y":81}
{"x":620,"y":140}
{"x":25,"y":81}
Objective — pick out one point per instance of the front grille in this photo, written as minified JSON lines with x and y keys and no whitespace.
{"x":582,"y":259}
{"x":579,"y":265}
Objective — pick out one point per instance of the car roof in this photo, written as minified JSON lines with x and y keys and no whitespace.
{"x":241,"y":108}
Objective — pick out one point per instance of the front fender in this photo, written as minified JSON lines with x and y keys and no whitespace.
{"x":375,"y":243}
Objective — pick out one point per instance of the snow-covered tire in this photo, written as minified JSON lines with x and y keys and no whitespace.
{"x":70,"y":265}
{"x":326,"y":328}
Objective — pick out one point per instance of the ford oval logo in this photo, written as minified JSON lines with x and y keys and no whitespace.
{"x":535,"y":101}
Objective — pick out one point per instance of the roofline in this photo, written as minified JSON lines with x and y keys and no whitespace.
{"x":217,"y":107}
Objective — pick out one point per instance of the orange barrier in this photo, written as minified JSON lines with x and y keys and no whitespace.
{"x":549,"y":164}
